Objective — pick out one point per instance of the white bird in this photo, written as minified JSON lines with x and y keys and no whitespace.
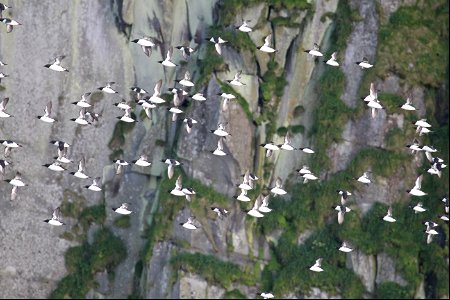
{"x":266,"y":46}
{"x":303,"y":170}
{"x":436,"y":169}
{"x":126,"y":105}
{"x":108,"y":88}
{"x":306,"y":150}
{"x":3,"y":75}
{"x":185,"y":51}
{"x":3,"y":114}
{"x":446,"y":205}
{"x":83,"y":101}
{"x":95,"y":186}
{"x":388,"y":217}
{"x":242,"y":196}
{"x":178,"y":190}
{"x":264,"y":208}
{"x":186,"y":81}
{"x":422,"y":123}
{"x":47,"y":115}
{"x":189,"y":224}
{"x":56,"y":66}
{"x":172,"y":163}
{"x":375,"y":106}
{"x":364,"y":63}
{"x":237,"y":79}
{"x":332,"y":61}
{"x":373,"y":95}
{"x":80,"y":173}
{"x":177,"y":101}
{"x":17,"y":180}
{"x":188,"y":192}
{"x":142,"y":161}
{"x":430,"y":231}
{"x":55,"y":166}
{"x":81,"y":120}
{"x":127,"y":117}
{"x":221,"y":212}
{"x":3,"y":164}
{"x":267,"y":295}
{"x":220,"y":131}
{"x":287,"y":143}
{"x":219,"y":150}
{"x":415,"y":146}
{"x":278,"y":189}
{"x":120,"y":164}
{"x":345,"y":247}
{"x":342,"y":210}
{"x":56,"y":218}
{"x":123,"y":209}
{"x":167,"y":62}
{"x":9,"y":145}
{"x":418,"y":208}
{"x":415,"y":191}
{"x":364,"y":178}
{"x":314,"y":51}
{"x":309,"y":176}
{"x":254,"y":212}
{"x":156,"y":93}
{"x":146,"y":44}
{"x":244,"y":27}
{"x":270,"y":147}
{"x":217,"y":44}
{"x":317,"y":266}
{"x":408,"y":105}
{"x":199,"y":97}
{"x":344,"y":195}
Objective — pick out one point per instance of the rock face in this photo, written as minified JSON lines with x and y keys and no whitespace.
{"x":95,"y":37}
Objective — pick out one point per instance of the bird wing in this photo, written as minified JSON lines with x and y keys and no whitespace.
{"x":418,"y":183}
{"x":14,"y":193}
{"x":287,"y":139}
{"x":220,"y":144}
{"x":56,"y":214}
{"x":157,"y":89}
{"x":333,"y":56}
{"x":179,"y":183}
{"x":124,"y":206}
{"x":82,"y":164}
{"x":389,"y":212}
{"x":218,"y":48}
{"x":187,"y":76}
{"x":267,"y":40}
{"x":373,"y":91}
{"x":169,"y":53}
{"x":4,"y":102}
{"x":374,"y":112}
{"x":319,"y":262}
{"x":278,"y":183}
{"x":341,"y":217}
{"x":48,"y":108}
{"x":316,"y":47}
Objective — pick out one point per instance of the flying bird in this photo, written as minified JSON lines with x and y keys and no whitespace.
{"x":123,"y":209}
{"x":364,"y":63}
{"x":266,"y":46}
{"x":415,"y":191}
{"x":10,"y":23}
{"x":167,"y":62}
{"x":3,"y":114}
{"x":314,"y":51}
{"x":317,"y":266}
{"x":47,"y":114}
{"x":56,"y":218}
{"x":388,"y":217}
{"x":146,"y":44}
{"x":56,"y":65}
{"x":332,"y":61}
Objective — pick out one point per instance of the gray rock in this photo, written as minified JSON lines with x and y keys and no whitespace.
{"x":386,"y":270}
{"x":365,"y":267}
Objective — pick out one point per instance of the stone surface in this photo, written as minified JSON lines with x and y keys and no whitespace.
{"x":365,"y":266}
{"x":386,"y":270}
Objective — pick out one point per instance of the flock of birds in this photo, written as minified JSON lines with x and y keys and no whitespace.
{"x":150,"y":101}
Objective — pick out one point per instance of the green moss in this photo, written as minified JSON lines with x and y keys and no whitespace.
{"x":213,"y":270}
{"x":82,"y":262}
{"x":297,"y":129}
{"x":343,"y":26}
{"x":92,"y":214}
{"x":120,"y":130}
{"x":234,"y":294}
{"x":122,"y":221}
{"x":226,"y":88}
{"x":285,"y":21}
{"x":281,"y":131}
{"x":211,"y":62}
{"x":235,"y":38}
{"x":299,"y":110}
{"x":392,"y":290}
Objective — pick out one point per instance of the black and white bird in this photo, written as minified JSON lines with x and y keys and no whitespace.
{"x":9,"y":145}
{"x":244,"y":27}
{"x":189,"y":224}
{"x":95,"y":185}
{"x":364,"y":63}
{"x":167,"y":62}
{"x":267,"y":295}
{"x":226,"y":97}
{"x":108,"y":88}
{"x":237,"y":79}
{"x":10,"y":23}
{"x":314,"y":51}
{"x":414,"y":146}
{"x":81,"y":120}
{"x":388,"y":217}
{"x":247,"y":181}
{"x":120,"y":164}
{"x":172,"y":164}
{"x":17,"y":180}
{"x":56,"y":65}
{"x":123,"y":209}
{"x":242,"y":196}
{"x":220,"y":131}
{"x":219,"y":150}
{"x":344,"y":195}
{"x":177,"y":101}
{"x":217,"y":43}
{"x":186,"y":81}
{"x":254,"y":212}
{"x":278,"y":188}
{"x":430,"y":231}
{"x":126,"y":105}
{"x":266,"y":46}
{"x":373,"y":93}
{"x":287,"y":143}
{"x":188,"y":193}
{"x":4,"y":114}
{"x":2,"y":8}
{"x":221,"y":212}
{"x":423,"y":127}
{"x":142,"y":161}
{"x":80,"y":173}
{"x":189,"y":122}
{"x":55,"y":166}
{"x":307,"y":150}
{"x":308,"y":176}
{"x":342,"y":210}
{"x":178,"y":190}
{"x":317,"y":267}
{"x":155,"y":98}
{"x":3,"y":75}
{"x":332,"y":61}
{"x":199,"y":97}
{"x":270,"y":147}
{"x":303,"y":170}
{"x":416,"y":190}
{"x":407,"y":105}
{"x":83,"y":101}
{"x":146,"y":44}
{"x":345,"y":247}
{"x":264,"y":207}
{"x":127,"y":117}
{"x":446,"y":205}
{"x":56,"y":218}
{"x":186,"y":51}
{"x":47,"y":118}
{"x":3,"y":164}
